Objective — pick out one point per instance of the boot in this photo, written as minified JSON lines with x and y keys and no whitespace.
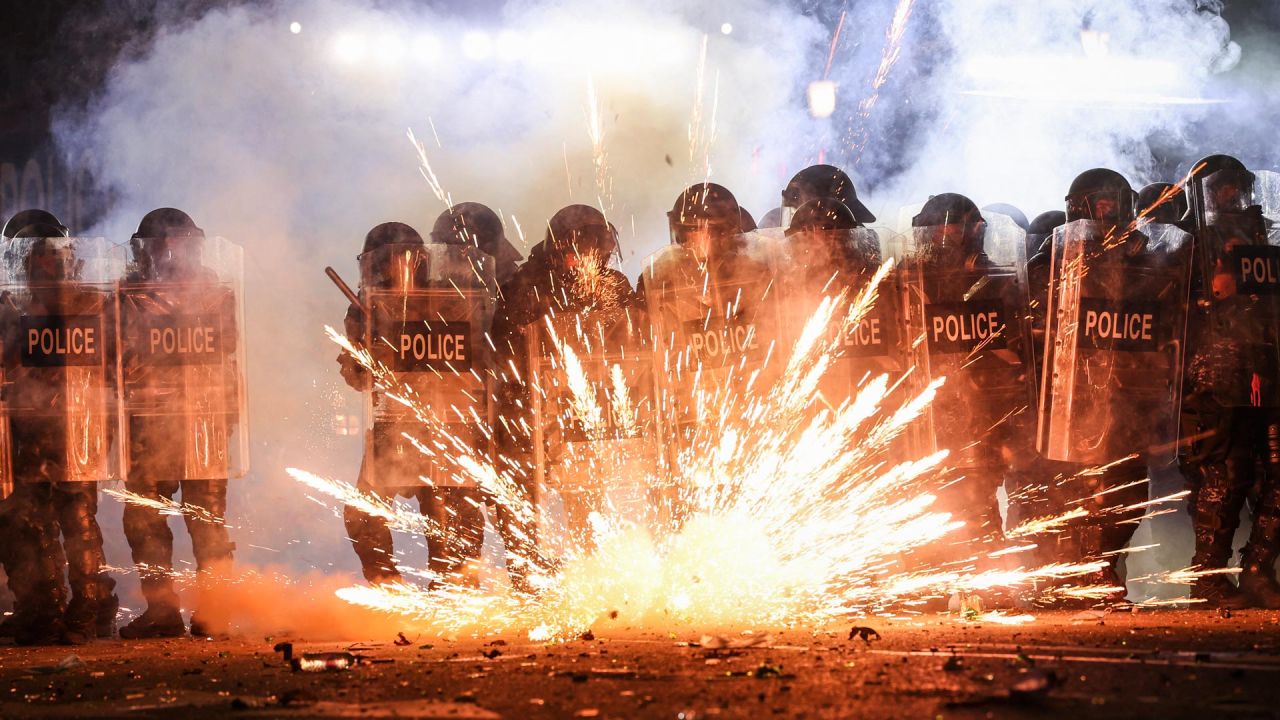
{"x":206,"y":629}
{"x":80,"y":621}
{"x":1258,"y":571}
{"x":39,"y":629}
{"x":1217,"y":591}
{"x":108,"y":609}
{"x":162,"y":621}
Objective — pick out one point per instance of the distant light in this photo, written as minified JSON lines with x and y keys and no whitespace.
{"x":295,"y":27}
{"x":510,"y":46}
{"x":426,"y":47}
{"x":822,"y":98}
{"x":349,"y":48}
{"x":726,"y":28}
{"x":477,"y":45}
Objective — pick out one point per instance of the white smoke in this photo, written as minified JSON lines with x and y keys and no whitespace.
{"x":294,"y":144}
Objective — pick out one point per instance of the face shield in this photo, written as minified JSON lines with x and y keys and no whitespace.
{"x":169,"y":257}
{"x":956,"y":237}
{"x":704,"y":238}
{"x":49,"y":262}
{"x":397,"y":267}
{"x":1227,"y":192}
{"x":1107,"y":207}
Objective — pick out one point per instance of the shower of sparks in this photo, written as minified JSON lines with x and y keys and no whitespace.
{"x":779,"y":511}
{"x":889,"y":58}
{"x":424,"y":166}
{"x":599,"y":158}
{"x":702,"y":130}
{"x":166,"y":506}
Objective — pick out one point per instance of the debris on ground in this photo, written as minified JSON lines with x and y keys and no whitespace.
{"x":1033,"y":685}
{"x":325,"y":662}
{"x":720,"y":642}
{"x":70,"y":662}
{"x":402,"y":641}
{"x":864,"y":633}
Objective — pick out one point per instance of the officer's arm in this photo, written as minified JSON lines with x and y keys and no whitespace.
{"x":352,"y":371}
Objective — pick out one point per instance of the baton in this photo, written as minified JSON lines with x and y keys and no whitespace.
{"x":345,"y":288}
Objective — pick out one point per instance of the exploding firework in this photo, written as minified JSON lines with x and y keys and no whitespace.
{"x":782,"y":511}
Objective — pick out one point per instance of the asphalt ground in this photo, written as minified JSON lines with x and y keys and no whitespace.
{"x":1153,"y":663}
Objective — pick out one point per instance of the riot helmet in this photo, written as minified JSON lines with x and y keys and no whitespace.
{"x":824,"y":231}
{"x":1162,"y":202}
{"x":43,"y":259}
{"x":818,"y":181}
{"x":747,"y":223}
{"x":949,"y":224}
{"x":772,"y":219}
{"x":1101,"y":195}
{"x":1019,"y":218}
{"x":469,"y":223}
{"x":577,"y":233}
{"x":1042,"y":227}
{"x":384,"y":267}
{"x":1220,"y":185}
{"x":24,"y":218}
{"x":166,"y":244}
{"x":706,"y":220}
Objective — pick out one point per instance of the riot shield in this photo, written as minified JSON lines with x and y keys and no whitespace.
{"x":594,"y":440}
{"x":59,"y":359}
{"x":182,"y":383}
{"x":1116,"y":317}
{"x":967,"y":320}
{"x":864,"y":351}
{"x":428,"y":311}
{"x":716,"y":329}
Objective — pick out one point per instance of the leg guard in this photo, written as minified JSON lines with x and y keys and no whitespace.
{"x":151,"y":543}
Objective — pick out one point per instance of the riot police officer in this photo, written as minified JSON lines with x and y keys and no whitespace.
{"x":716,"y":323}
{"x":970,"y":313}
{"x":423,"y":313}
{"x":566,"y":283}
{"x":58,"y":366}
{"x":1113,"y":316}
{"x":182,"y":387}
{"x":1231,"y":410}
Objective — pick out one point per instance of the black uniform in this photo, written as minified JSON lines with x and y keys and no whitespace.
{"x":1231,"y":410}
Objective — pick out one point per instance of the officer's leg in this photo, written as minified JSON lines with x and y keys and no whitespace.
{"x":39,"y":565}
{"x":1125,"y":486}
{"x":211,"y":544}
{"x":371,"y":538}
{"x":1226,"y":472}
{"x":1258,"y":572}
{"x":91,"y":587}
{"x":8,"y":541}
{"x":151,"y":544}
{"x":460,"y":523}
{"x":517,"y":521}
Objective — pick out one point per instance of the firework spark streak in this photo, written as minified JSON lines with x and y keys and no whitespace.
{"x":780,"y":511}
{"x":167,"y":506}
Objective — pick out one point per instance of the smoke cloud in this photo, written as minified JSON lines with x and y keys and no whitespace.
{"x":293,"y":144}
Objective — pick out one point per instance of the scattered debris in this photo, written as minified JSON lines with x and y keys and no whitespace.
{"x":70,"y":662}
{"x":1224,"y":613}
{"x":953,"y":664}
{"x":766,"y":671}
{"x":864,"y":633}
{"x":1088,"y":616}
{"x":587,"y":713}
{"x":587,"y":636}
{"x":491,"y":654}
{"x":402,"y":641}
{"x":720,"y":642}
{"x":1033,"y":686}
{"x":286,"y":648}
{"x":325,"y":662}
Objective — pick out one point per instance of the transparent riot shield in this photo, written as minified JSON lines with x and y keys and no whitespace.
{"x":429,"y":309}
{"x":966,"y":320}
{"x":182,"y":389}
{"x":716,"y":329}
{"x":1116,"y":316}
{"x":809,"y":272}
{"x":59,"y":359}
{"x":594,"y":438}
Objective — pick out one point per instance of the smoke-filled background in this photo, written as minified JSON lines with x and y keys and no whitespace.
{"x":283,"y":127}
